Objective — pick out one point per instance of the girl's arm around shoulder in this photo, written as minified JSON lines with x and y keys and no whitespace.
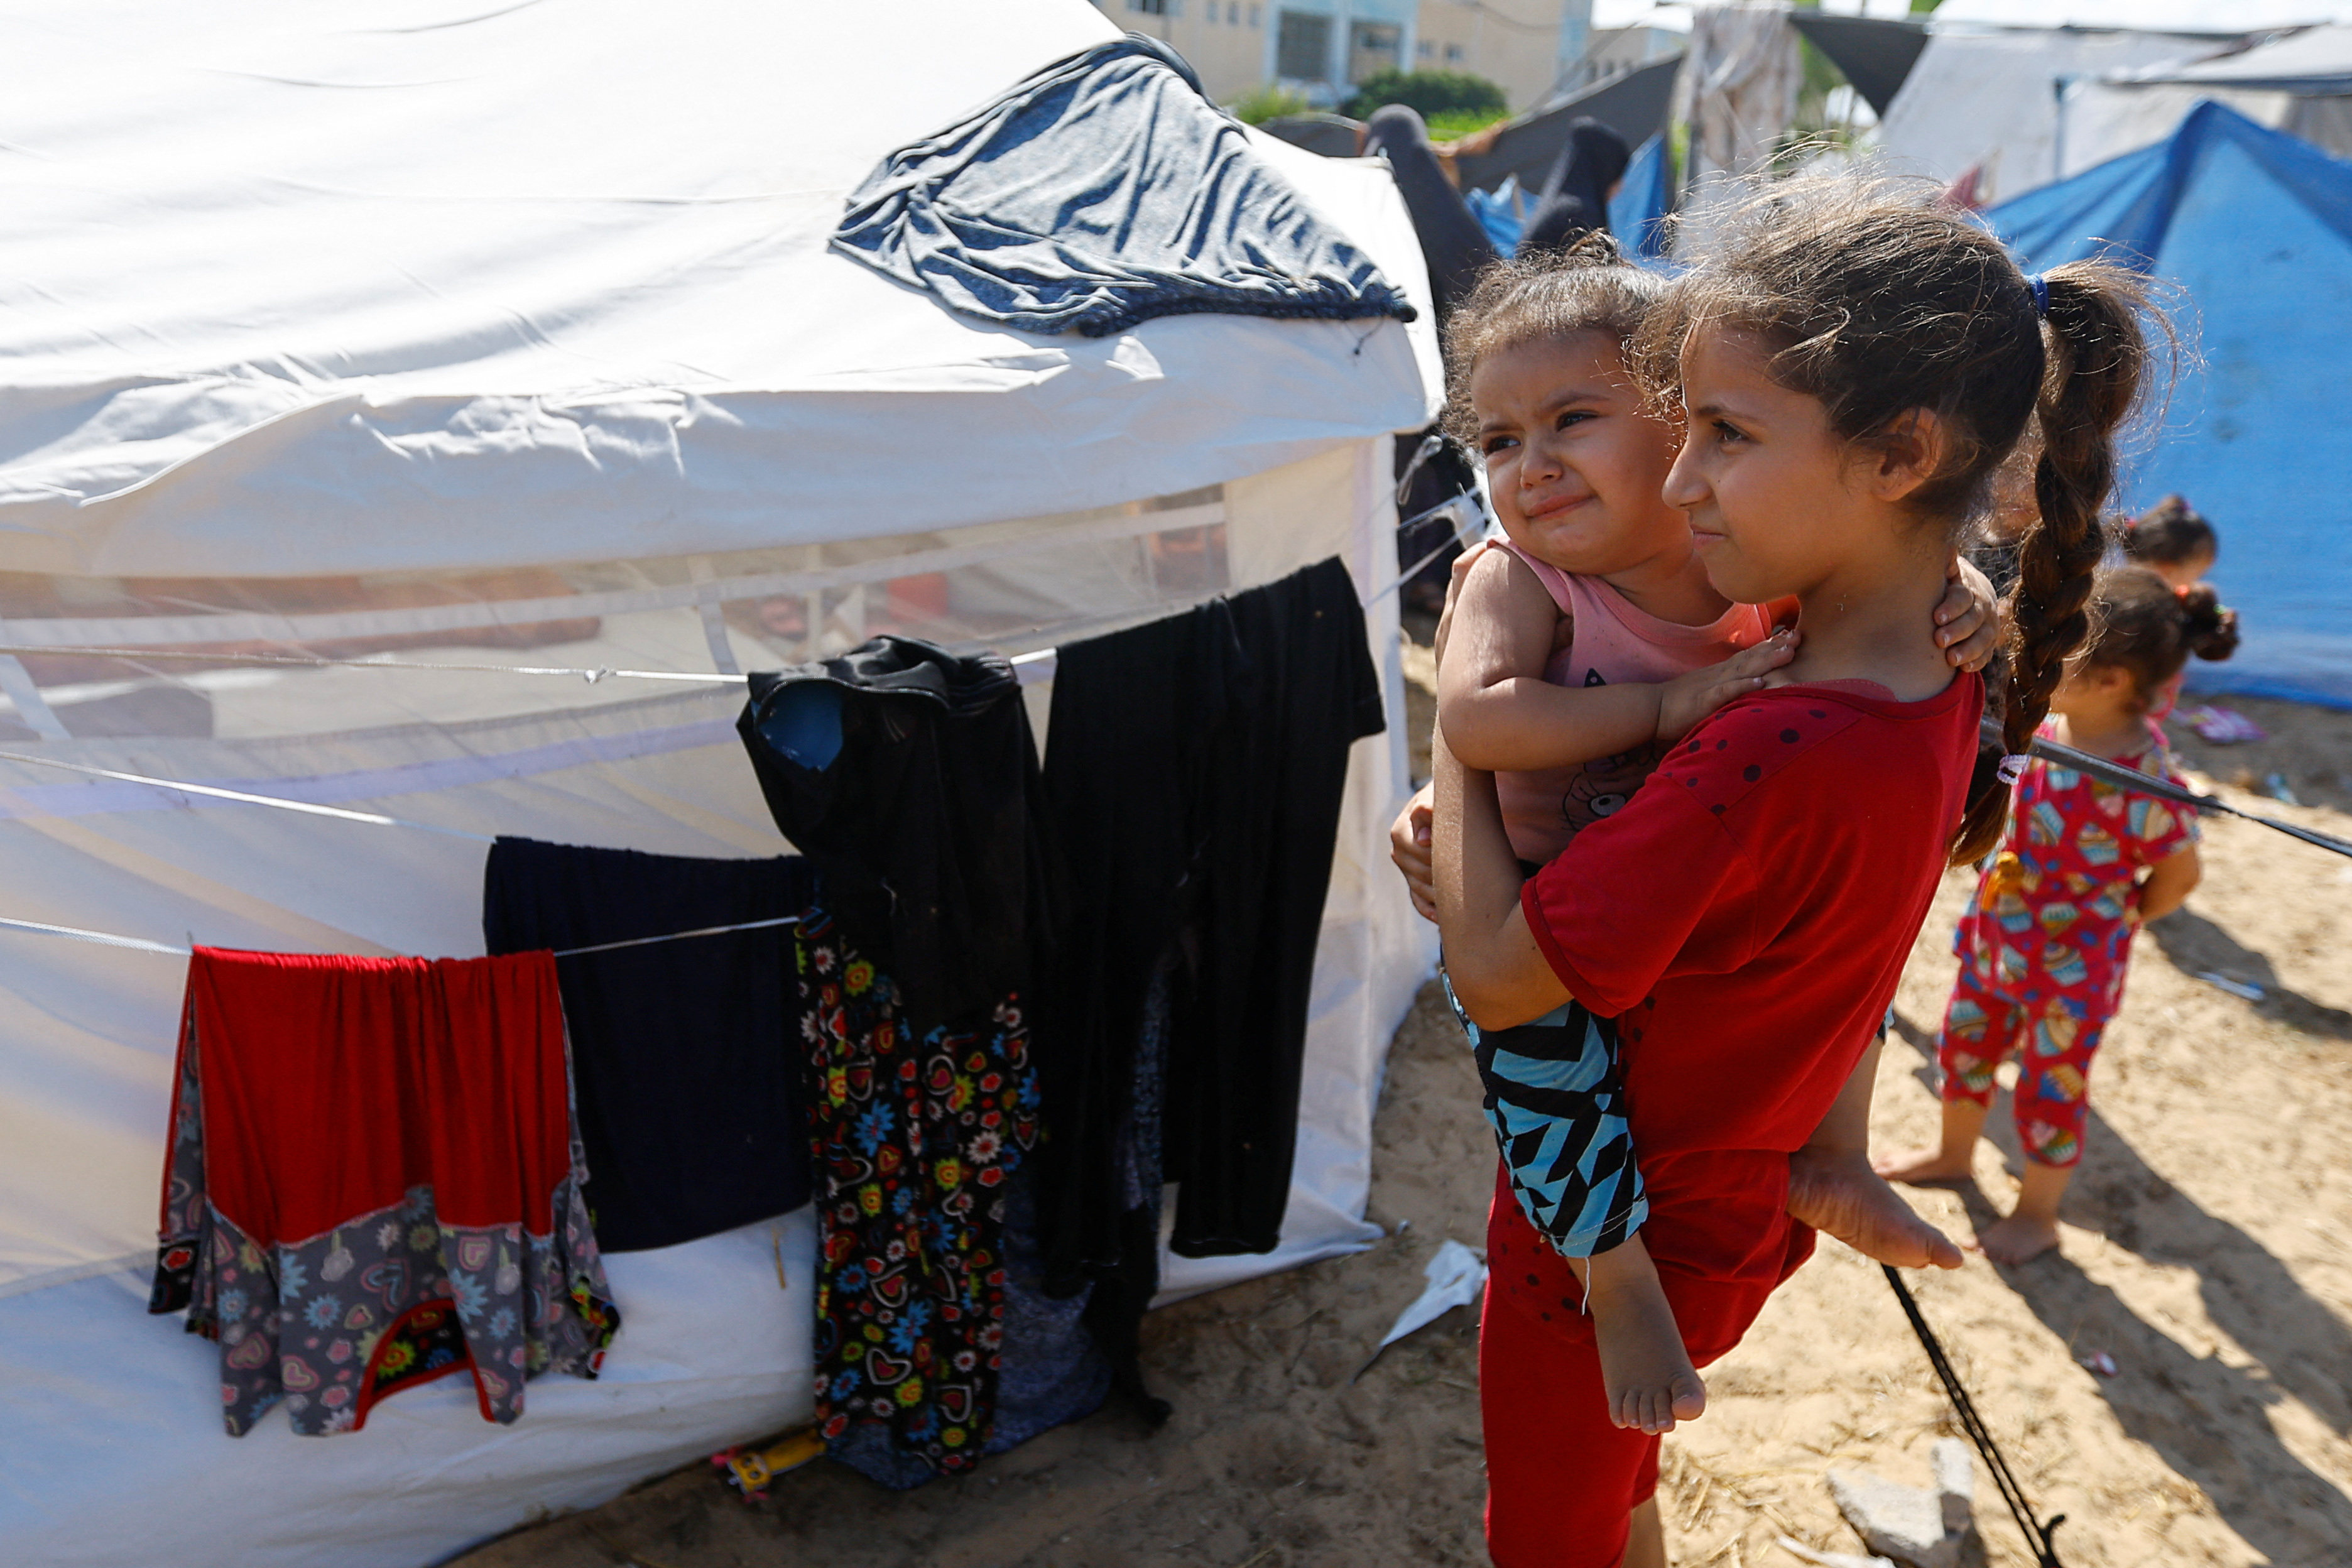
{"x":1494,"y":708}
{"x":1499,"y":975}
{"x":2169,"y":882}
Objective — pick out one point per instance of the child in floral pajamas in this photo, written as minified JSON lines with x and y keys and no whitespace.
{"x":2044,"y":949}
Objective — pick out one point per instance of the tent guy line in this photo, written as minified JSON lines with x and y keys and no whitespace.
{"x":374,"y":818}
{"x":1032,"y":668}
{"x":141,"y":945}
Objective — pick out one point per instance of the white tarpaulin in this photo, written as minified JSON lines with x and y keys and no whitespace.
{"x":502,"y":337}
{"x":1989,"y":101}
{"x":2301,"y":84}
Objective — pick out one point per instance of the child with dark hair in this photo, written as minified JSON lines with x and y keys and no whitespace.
{"x":2084,"y":864}
{"x":2173,"y":540}
{"x":1853,"y":364}
{"x":1578,"y":650}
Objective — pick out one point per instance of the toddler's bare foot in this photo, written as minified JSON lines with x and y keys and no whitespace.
{"x":2017,"y":1239}
{"x":1840,"y":1194}
{"x":1928,"y":1167}
{"x":1647,"y":1373}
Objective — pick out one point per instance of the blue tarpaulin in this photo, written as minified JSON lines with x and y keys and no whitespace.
{"x":2254,"y":228}
{"x":1644,"y":198}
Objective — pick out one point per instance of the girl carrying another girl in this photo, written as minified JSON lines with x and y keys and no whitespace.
{"x":1853,"y":365}
{"x":1575,"y":651}
{"x":2084,"y":863}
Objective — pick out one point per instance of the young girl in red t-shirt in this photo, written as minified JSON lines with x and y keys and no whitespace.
{"x":1580,"y":646}
{"x":1852,"y":365}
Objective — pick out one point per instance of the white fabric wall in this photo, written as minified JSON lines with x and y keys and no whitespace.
{"x":1989,"y":99}
{"x":110,"y":1447}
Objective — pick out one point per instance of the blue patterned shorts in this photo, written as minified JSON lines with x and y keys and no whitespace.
{"x":1556,"y":1098}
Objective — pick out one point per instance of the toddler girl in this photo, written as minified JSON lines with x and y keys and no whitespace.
{"x":1852,"y":365}
{"x":1574,"y":653}
{"x":2171,"y":540}
{"x":2082,"y":864}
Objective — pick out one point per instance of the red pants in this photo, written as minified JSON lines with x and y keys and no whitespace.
{"x":2053,"y":1034}
{"x":1562,"y":1481}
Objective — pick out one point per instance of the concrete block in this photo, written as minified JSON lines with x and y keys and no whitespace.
{"x":1905,"y":1524}
{"x":1955,"y":1483}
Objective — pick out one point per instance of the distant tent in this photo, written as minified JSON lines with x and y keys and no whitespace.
{"x":2254,"y":226}
{"x":1989,"y":101}
{"x":1632,"y":105}
{"x":1876,"y":53}
{"x":2301,"y":84}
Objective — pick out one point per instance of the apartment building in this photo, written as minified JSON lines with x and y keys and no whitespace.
{"x":1324,"y":48}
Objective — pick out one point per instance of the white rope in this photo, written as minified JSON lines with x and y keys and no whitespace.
{"x":104,"y":939}
{"x":375,"y":818}
{"x":140,"y":945}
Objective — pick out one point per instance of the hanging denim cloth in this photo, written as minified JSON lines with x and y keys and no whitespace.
{"x":1104,"y":190}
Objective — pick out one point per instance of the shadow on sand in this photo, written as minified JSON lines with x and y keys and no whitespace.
{"x":2208,"y":1420}
{"x":2196,"y":946}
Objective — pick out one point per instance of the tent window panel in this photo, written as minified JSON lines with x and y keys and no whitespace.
{"x":188,"y":658}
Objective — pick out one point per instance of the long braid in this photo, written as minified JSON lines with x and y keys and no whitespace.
{"x":2092,"y":378}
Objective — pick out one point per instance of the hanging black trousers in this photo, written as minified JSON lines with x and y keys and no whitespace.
{"x":1194,"y":770}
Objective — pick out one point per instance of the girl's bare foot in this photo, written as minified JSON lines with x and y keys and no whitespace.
{"x":1930,"y":1167}
{"x":1840,"y":1195}
{"x":2017,"y":1239}
{"x":1647,"y":1373}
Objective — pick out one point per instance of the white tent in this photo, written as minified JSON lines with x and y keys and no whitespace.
{"x":472,"y":333}
{"x":1988,"y":100}
{"x":2301,"y":84}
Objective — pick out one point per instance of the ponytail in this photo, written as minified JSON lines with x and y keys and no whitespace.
{"x":2095,"y":358}
{"x":2207,"y":627}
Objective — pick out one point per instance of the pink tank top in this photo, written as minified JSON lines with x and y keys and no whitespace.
{"x":1612,"y":642}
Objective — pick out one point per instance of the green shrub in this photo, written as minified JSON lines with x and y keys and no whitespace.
{"x":1268,"y":102}
{"x":1453,"y":124}
{"x":1433,"y":93}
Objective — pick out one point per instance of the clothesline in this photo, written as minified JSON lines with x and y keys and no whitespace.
{"x":1022,"y":663}
{"x":141,"y":945}
{"x":1032,"y":668}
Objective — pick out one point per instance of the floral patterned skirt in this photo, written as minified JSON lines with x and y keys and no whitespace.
{"x":914,"y":1140}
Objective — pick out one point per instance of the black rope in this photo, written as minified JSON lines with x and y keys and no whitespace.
{"x":2040,"y":1537}
{"x":2124,"y":776}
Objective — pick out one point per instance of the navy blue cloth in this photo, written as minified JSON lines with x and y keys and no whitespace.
{"x":1103,"y":191}
{"x":685,"y":1055}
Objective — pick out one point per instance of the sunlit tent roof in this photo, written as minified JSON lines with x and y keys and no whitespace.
{"x":366,"y":286}
{"x":2254,"y":228}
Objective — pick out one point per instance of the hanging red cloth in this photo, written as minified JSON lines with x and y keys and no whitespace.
{"x":375,"y":1180}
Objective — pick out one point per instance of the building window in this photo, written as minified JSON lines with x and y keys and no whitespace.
{"x":1454,"y":54}
{"x":1373,"y":47}
{"x":1234,"y":13}
{"x":1148,"y":7}
{"x":1257,"y":18}
{"x":1302,"y":46}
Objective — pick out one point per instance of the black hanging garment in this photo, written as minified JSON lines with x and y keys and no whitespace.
{"x":686,"y":1055}
{"x":909,"y":776}
{"x":1195,"y":767}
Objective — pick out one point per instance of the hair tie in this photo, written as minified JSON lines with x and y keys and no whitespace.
{"x":2040,"y":284}
{"x":2012,"y":767}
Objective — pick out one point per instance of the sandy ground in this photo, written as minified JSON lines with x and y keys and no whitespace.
{"x":2205,"y":1252}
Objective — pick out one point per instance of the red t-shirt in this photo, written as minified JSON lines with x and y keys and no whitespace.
{"x":1746,"y":916}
